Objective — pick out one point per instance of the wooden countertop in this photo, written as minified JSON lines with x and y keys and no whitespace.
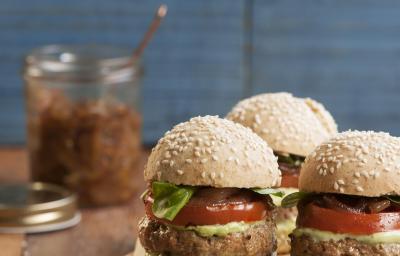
{"x":102,"y":231}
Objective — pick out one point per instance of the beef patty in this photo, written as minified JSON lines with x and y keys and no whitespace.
{"x":158,"y":238}
{"x":306,"y":246}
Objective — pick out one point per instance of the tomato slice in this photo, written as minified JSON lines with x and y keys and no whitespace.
{"x":290,"y":180}
{"x":200,"y":211}
{"x":313,"y":216}
{"x":290,"y":175}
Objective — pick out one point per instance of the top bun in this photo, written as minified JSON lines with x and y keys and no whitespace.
{"x":289,"y":124}
{"x":354,"y":163}
{"x":210,"y":151}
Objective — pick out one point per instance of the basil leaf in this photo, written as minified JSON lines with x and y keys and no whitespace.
{"x":393,"y":199}
{"x":291,"y":200}
{"x":269,"y":191}
{"x":169,"y":199}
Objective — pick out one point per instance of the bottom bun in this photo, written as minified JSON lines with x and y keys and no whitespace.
{"x":305,"y":245}
{"x":139,"y":250}
{"x":160,"y":239}
{"x":283,"y":245}
{"x":286,"y":222}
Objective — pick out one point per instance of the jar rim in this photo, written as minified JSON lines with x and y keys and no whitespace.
{"x":80,"y":62}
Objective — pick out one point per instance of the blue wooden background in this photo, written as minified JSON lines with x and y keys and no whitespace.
{"x":209,"y":54}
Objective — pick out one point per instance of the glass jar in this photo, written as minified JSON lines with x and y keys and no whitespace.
{"x":83,"y":120}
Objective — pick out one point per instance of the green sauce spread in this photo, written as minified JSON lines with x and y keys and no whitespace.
{"x":286,"y":226}
{"x":219,"y":230}
{"x":376,"y":238}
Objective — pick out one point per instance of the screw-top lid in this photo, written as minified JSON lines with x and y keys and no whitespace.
{"x":36,"y":207}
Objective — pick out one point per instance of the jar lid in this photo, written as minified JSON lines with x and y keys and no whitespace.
{"x":36,"y":207}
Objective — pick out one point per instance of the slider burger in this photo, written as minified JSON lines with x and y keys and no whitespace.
{"x":349,"y":200}
{"x":292,"y":127}
{"x":209,"y":182}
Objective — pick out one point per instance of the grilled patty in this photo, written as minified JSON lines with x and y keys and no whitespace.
{"x":158,"y":238}
{"x":306,"y":246}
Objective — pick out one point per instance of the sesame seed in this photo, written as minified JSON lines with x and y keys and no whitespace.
{"x":365,"y":174}
{"x":336,"y":186}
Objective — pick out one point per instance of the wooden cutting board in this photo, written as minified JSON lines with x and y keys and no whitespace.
{"x":107,"y":231}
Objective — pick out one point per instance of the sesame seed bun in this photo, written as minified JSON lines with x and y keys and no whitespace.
{"x":289,"y":124}
{"x":361,"y":163}
{"x":210,"y":151}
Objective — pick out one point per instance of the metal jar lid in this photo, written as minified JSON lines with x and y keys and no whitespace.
{"x":36,"y":207}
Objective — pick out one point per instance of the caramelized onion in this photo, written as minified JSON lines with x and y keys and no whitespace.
{"x":355,"y":204}
{"x":221,"y":196}
{"x":330,"y":201}
{"x":378,"y":206}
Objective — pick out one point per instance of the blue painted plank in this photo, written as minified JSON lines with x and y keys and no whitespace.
{"x":193,"y":66}
{"x":345,"y":54}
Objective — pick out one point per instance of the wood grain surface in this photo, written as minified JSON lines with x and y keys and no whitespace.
{"x":102,"y":231}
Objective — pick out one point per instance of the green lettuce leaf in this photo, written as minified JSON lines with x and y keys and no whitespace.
{"x":291,"y":200}
{"x":169,"y":199}
{"x":269,"y":191}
